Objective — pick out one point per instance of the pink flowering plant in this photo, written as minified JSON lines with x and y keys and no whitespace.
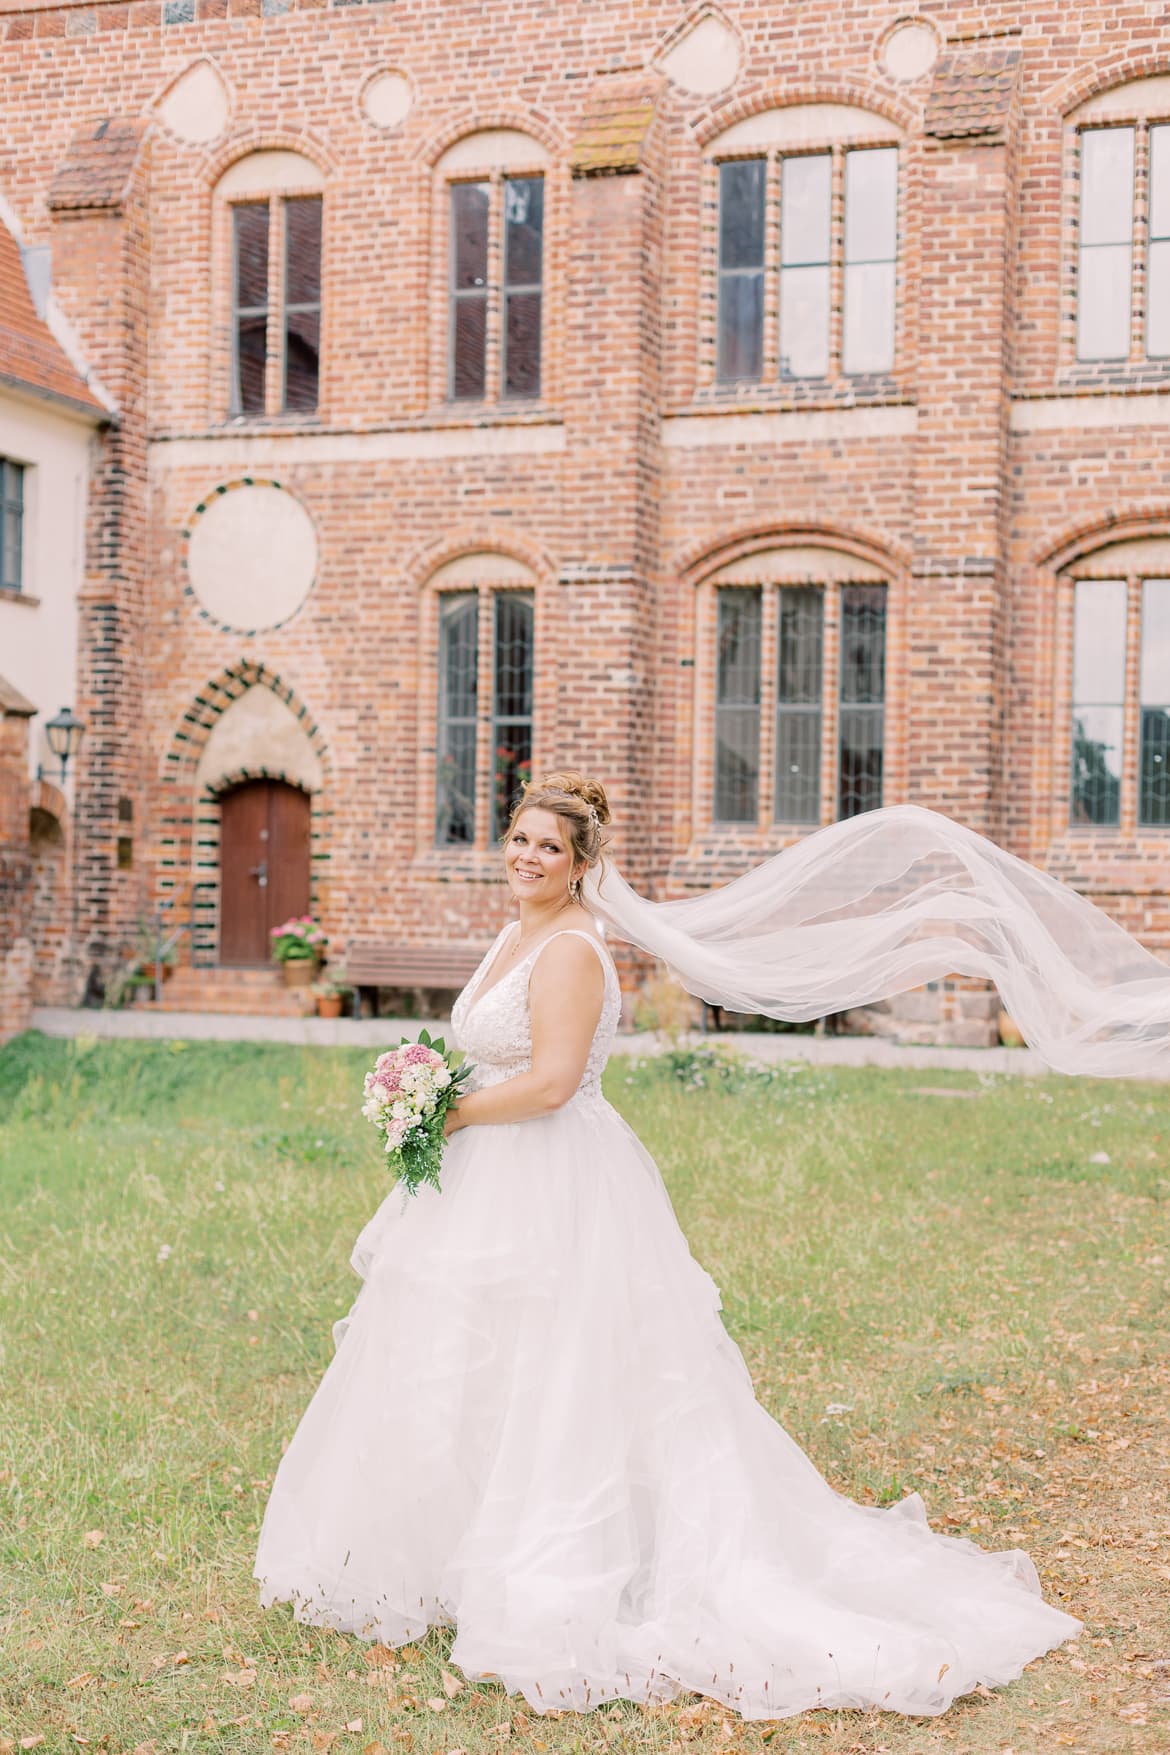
{"x":407,"y":1096}
{"x":298,"y":940}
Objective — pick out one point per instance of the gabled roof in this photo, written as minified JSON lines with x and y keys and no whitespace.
{"x":31,"y":357}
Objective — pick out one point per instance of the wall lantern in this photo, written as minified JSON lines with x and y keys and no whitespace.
{"x":65,"y":733}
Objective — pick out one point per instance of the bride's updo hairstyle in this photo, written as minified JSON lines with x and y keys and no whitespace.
{"x":581,"y":805}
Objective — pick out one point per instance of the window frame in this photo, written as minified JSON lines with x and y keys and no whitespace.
{"x":773,"y":382}
{"x":766,"y":825}
{"x":14,"y":508}
{"x":486,"y":825}
{"x":495,"y":398}
{"x":1096,"y":569}
{"x":1137,"y":358}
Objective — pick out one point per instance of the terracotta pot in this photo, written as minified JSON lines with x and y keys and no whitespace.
{"x":148,"y":969}
{"x":300,"y":971}
{"x":329,"y":1006}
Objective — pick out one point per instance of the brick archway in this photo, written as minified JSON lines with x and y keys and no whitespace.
{"x":189,"y":832}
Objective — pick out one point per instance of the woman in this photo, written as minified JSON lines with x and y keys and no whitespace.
{"x":535,"y":1425}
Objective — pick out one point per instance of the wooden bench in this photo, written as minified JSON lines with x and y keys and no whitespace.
{"x":370,"y":966}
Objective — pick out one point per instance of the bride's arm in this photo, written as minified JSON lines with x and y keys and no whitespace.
{"x":565,"y":994}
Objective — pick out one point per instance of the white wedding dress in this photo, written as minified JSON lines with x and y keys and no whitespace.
{"x":536,"y":1427}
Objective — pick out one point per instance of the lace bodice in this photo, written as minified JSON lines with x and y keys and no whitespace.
{"x":495,"y":1031}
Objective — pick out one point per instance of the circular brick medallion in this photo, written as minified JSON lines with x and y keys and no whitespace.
{"x":910,"y":51}
{"x":386,"y":99}
{"x":251,"y":556}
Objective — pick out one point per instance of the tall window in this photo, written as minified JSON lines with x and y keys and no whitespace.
{"x":476,"y":655}
{"x":495,"y":222}
{"x":737,"y":705}
{"x":862,"y":707}
{"x":1098,"y":714}
{"x":1123,"y":241}
{"x":780,"y":208}
{"x":276,"y":318}
{"x":11,"y":525}
{"x":1154,"y":754}
{"x":806,"y":662}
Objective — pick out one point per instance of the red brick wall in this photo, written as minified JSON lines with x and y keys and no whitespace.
{"x":16,"y":952}
{"x":967,"y":511}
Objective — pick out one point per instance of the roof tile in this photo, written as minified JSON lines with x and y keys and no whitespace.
{"x":972,"y":93}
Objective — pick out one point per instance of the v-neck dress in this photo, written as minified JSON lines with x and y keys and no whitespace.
{"x":536,"y":1428}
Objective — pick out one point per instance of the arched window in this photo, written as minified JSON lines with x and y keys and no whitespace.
{"x":485,"y":650}
{"x":794,"y":669}
{"x":492,"y":220}
{"x":1118,"y":639}
{"x":269,"y":220}
{"x":1121,"y":149}
{"x":804,"y":257}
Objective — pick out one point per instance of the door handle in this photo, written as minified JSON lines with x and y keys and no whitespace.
{"x":260,"y":873}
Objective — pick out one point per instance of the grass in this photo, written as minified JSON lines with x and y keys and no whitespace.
{"x":940,"y":1282}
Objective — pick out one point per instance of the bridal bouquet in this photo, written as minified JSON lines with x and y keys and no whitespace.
{"x":407,"y":1096}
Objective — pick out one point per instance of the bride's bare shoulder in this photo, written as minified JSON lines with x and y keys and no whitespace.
{"x":566,"y":959}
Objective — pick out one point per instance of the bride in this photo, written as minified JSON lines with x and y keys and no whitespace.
{"x":535,"y":1426}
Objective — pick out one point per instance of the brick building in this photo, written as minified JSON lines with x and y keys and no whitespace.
{"x":762,"y":405}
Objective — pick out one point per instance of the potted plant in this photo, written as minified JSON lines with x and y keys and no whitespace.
{"x":330,"y":993}
{"x":156,"y":952}
{"x":297,"y":945}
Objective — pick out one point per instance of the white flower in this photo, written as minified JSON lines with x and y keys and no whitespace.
{"x":442,"y":1078}
{"x":399,"y":1111}
{"x":164,"y":1250}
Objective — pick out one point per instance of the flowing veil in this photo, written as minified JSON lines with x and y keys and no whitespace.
{"x":881,"y":903}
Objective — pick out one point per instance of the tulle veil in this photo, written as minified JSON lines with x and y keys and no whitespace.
{"x":881,"y":903}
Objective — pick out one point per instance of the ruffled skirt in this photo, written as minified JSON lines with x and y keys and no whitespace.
{"x":536,"y":1428}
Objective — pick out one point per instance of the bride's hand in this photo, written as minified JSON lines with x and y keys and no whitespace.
{"x":451,"y":1122}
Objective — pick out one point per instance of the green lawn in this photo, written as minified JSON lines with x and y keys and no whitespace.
{"x":939,"y":1282}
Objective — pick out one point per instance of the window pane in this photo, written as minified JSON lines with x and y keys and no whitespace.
{"x":250,"y":227}
{"x":469,"y":347}
{"x":1154,"y":787}
{"x":302,"y":351}
{"x":1096,"y":765}
{"x":805,"y":207}
{"x":302,"y":275}
{"x":868,"y":343}
{"x":871,"y":205}
{"x":1103,"y":302}
{"x":523,"y":231}
{"x":455,"y":751}
{"x":1107,"y":186}
{"x":861,"y":736}
{"x":804,"y":322}
{"x":522,"y":345}
{"x":799,"y":686}
{"x":1099,"y":643}
{"x":737,"y":705}
{"x":741,"y":326}
{"x":469,"y":235}
{"x":741,"y":214}
{"x":1158,"y":299}
{"x":1160,"y":182}
{"x":512,"y":703}
{"x":11,"y":523}
{"x":251,"y":362}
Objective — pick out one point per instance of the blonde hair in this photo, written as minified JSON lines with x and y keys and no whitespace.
{"x":580,"y":804}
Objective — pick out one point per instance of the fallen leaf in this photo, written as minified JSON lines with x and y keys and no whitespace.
{"x":111,"y":1590}
{"x":32,"y":1742}
{"x":301,"y":1703}
{"x":380,"y":1657}
{"x":82,"y":1680}
{"x":355,"y":1724}
{"x":437,"y":1705}
{"x":92,"y":1539}
{"x":942,"y":1671}
{"x":451,"y":1685}
{"x":150,"y":1748}
{"x":324,"y":1739}
{"x":240,"y":1678}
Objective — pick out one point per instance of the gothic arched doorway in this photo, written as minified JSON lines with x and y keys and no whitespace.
{"x":264,"y":865}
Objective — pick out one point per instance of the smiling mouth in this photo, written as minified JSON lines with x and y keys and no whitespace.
{"x":530,"y":877}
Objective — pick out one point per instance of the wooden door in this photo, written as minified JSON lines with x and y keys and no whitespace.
{"x":264,"y":866}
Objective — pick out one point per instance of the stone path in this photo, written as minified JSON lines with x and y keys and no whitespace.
{"x":380,"y":1032}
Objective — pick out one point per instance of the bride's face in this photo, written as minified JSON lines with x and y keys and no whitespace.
{"x":537,"y":858}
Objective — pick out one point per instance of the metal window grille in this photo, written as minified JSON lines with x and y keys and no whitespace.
{"x":470,"y":205}
{"x":302,"y":303}
{"x":862,"y":700}
{"x":740,"y":322}
{"x":737,"y":704}
{"x":523,"y":284}
{"x":806,"y":201}
{"x":11,"y":524}
{"x":1105,"y":243}
{"x":455,"y":742}
{"x":511,"y":703}
{"x":799,"y":696}
{"x":1098,"y":700}
{"x":250,"y":232}
{"x":871,"y":253}
{"x":1154,"y":756}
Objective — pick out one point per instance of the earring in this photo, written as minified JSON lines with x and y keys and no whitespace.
{"x":575,"y":889}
